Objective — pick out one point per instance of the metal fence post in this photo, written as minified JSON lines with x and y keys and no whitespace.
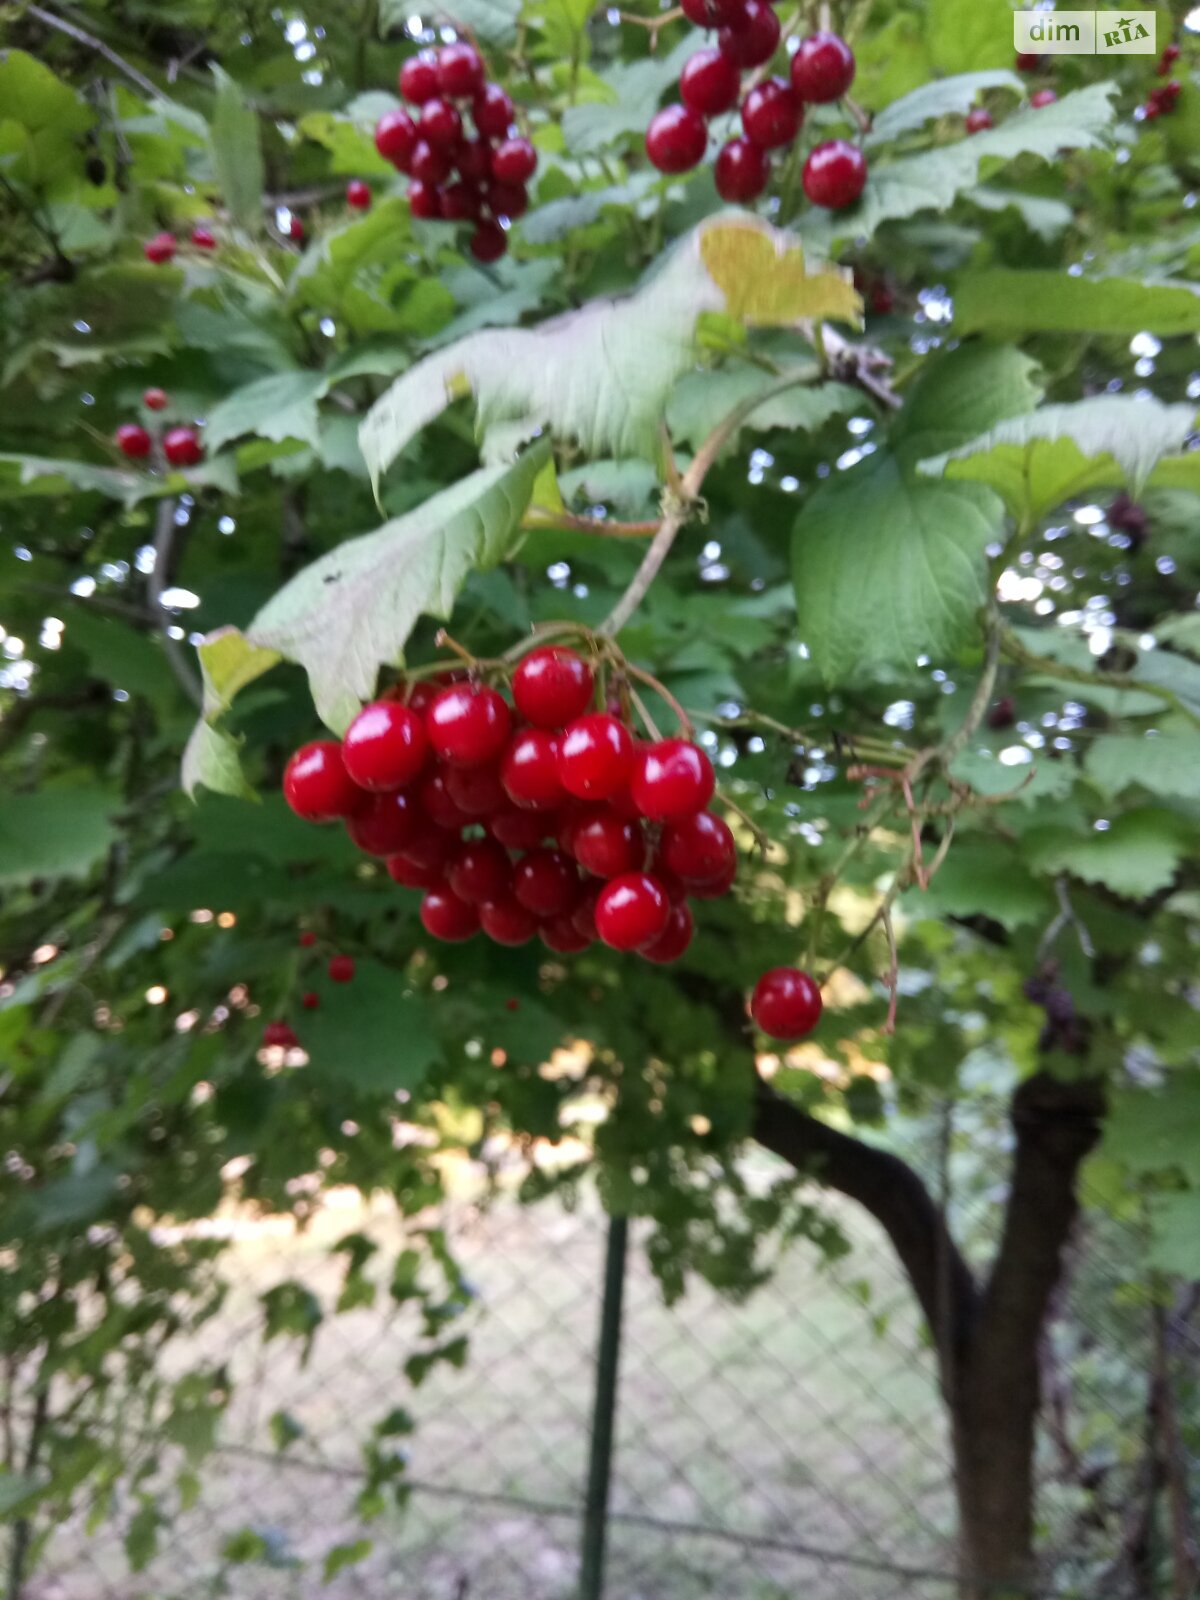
{"x":604,"y":1411}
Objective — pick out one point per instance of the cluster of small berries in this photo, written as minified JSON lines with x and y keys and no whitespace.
{"x":162,"y":247}
{"x":1161,"y":101}
{"x":181,"y":446}
{"x":772,"y":109}
{"x":281,"y":1035}
{"x":556,"y":821}
{"x":492,"y":168}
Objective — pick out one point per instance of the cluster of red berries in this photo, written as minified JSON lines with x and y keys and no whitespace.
{"x":491,"y":168}
{"x":1161,"y":101}
{"x":281,"y":1035}
{"x":181,"y":446}
{"x":772,"y":108}
{"x":162,"y":247}
{"x":557,"y":821}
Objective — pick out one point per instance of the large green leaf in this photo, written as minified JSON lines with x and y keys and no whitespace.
{"x":370,"y":1035}
{"x":1136,"y":856}
{"x":701,"y":399}
{"x":55,"y":833}
{"x":1164,"y":760}
{"x":983,"y":877}
{"x":38,"y":475}
{"x":237,"y":154}
{"x":942,"y":98}
{"x":41,"y":122}
{"x":635,"y":90}
{"x":1003,"y":300}
{"x":280,"y":406}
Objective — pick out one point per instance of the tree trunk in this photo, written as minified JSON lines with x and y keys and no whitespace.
{"x":994,"y":1432}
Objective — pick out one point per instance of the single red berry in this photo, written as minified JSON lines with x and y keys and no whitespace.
{"x":477,"y":790}
{"x":385,"y":824}
{"x":562,"y":936}
{"x":546,"y":882}
{"x":715,"y":888}
{"x":310,"y":1000}
{"x":753,"y":37}
{"x":979,"y":119}
{"x":473,"y":159}
{"x":460,"y":70}
{"x":444,"y":916}
{"x":468,"y":725}
{"x":396,"y":137}
{"x":1171,"y":54}
{"x":676,"y":139}
{"x":439,"y":805}
{"x":835,"y":174}
{"x":671,"y":779}
{"x":160,"y":249}
{"x":182,"y":447}
{"x":156,"y":399}
{"x":607,"y":845}
{"x":488,"y":242}
{"x":307,"y":939}
{"x":279,"y":1036}
{"x":493,"y":111}
{"x":419,"y":78}
{"x":440,"y":124}
{"x":424,"y":200}
{"x":673,"y":940}
{"x":882,"y":300}
{"x":507,"y":199}
{"x":203,"y":238}
{"x":595,"y":756}
{"x":711,"y":13}
{"x":461,"y":202}
{"x":428,"y":165}
{"x":786,"y":1003}
{"x":742,"y":171}
{"x":1165,"y":96}
{"x":508,"y":922}
{"x":358,"y":194}
{"x":514,"y":161}
{"x":1002,"y":713}
{"x":529,"y":770}
{"x":584,"y":914}
{"x":1042,"y":97}
{"x":385,"y":746}
{"x":632,"y":911}
{"x":317,"y":786}
{"x":1151,"y":110}
{"x":519,"y":830}
{"x":771,"y":114}
{"x":1027,"y":61}
{"x":296,"y":230}
{"x":822,"y":68}
{"x":427,"y":846}
{"x":341,"y":968}
{"x":552,"y":686}
{"x":698,"y":848}
{"x":480,"y":871}
{"x":512,"y":1005}
{"x":414,"y":874}
{"x":709,"y":83}
{"x":133,"y":441}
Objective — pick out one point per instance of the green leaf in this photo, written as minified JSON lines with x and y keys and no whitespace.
{"x":983,"y":877}
{"x":123,"y":656}
{"x":237,"y":154}
{"x":41,"y":121}
{"x":943,"y":97}
{"x":55,"y":833}
{"x":211,"y":761}
{"x":635,"y":91}
{"x":1142,"y":1133}
{"x":349,"y":1555}
{"x":550,"y":222}
{"x":702,"y":399}
{"x":19,"y":1493}
{"x":1045,"y":217}
{"x":961,"y":33}
{"x":39,"y":475}
{"x":1136,"y":856}
{"x":1006,"y":301}
{"x":1182,"y":631}
{"x":280,"y":406}
{"x":372,"y":1035}
{"x":1164,"y":760}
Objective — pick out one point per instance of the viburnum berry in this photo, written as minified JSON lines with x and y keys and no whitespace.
{"x":477,"y":790}
{"x":607,"y":845}
{"x":673,"y":940}
{"x":358,"y":194}
{"x":632,"y":911}
{"x":439,"y":805}
{"x":742,"y":171}
{"x":414,"y":874}
{"x":1171,"y":54}
{"x":427,"y":845}
{"x":132,"y":440}
{"x":385,"y":746}
{"x":979,"y":119}
{"x":307,"y":939}
{"x":473,"y":159}
{"x":461,"y":202}
{"x":786,"y":1003}
{"x":676,"y":139}
{"x":561,"y":935}
{"x":182,"y":447}
{"x":1002,"y":713}
{"x":508,"y":922}
{"x":460,"y":70}
{"x":714,"y":888}
{"x":488,"y":242}
{"x":439,"y":124}
{"x":341,"y":969}
{"x":835,"y":174}
{"x":698,"y":848}
{"x":514,"y":161}
{"x":546,"y":882}
{"x":709,"y":83}
{"x":507,"y":199}
{"x":711,"y":13}
{"x":279,"y":1036}
{"x":160,"y":249}
{"x":529,"y":770}
{"x":444,"y":916}
{"x":822,"y":68}
{"x":595,"y":756}
{"x":519,"y":830}
{"x":296,"y":231}
{"x":752,"y":37}
{"x":385,"y":824}
{"x":419,"y":78}
{"x":468,"y":725}
{"x":395,"y":137}
{"x":310,"y":1000}
{"x":424,"y":199}
{"x":203,"y":238}
{"x":156,"y":399}
{"x":1042,"y":97}
{"x":479,"y":871}
{"x":317,"y":786}
{"x":552,"y":686}
{"x":671,"y":779}
{"x":429,"y":163}
{"x":1027,"y":61}
{"x":771,"y":114}
{"x":492,"y":111}
{"x":584,"y":915}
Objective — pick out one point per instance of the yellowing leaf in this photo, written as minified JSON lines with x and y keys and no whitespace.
{"x":229,"y":662}
{"x":765,"y":281}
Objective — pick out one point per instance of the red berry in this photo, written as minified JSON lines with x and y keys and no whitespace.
{"x":507,"y":922}
{"x":709,"y":83}
{"x":676,"y":139}
{"x":480,"y":871}
{"x":771,"y":114}
{"x":711,"y":13}
{"x":671,"y":779}
{"x":459,"y":70}
{"x":358,"y":194}
{"x":427,"y":846}
{"x":1171,"y":54}
{"x":341,"y":968}
{"x":156,"y":399}
{"x":742,"y":171}
{"x":182,"y":447}
{"x":1043,"y":97}
{"x":514,"y":161}
{"x":473,"y":159}
{"x":413,"y":874}
{"x":584,"y":915}
{"x":674,"y":939}
{"x":440,"y":124}
{"x":529,"y":771}
{"x":307,"y":939}
{"x":428,"y":165}
{"x":477,"y":790}
{"x":317,"y":786}
{"x":979,"y":119}
{"x":160,"y":249}
{"x":786,"y":1003}
{"x":552,"y":686}
{"x":1002,"y":713}
{"x":546,"y":883}
{"x":424,"y":199}
{"x":468,"y":725}
{"x":203,"y":238}
{"x":715,"y":888}
{"x":296,"y":230}
{"x":607,"y":845}
{"x":310,"y":1000}
{"x":461,"y":202}
{"x":507,"y":199}
{"x":446,"y":917}
{"x":1151,"y":109}
{"x":595,"y":755}
{"x":385,"y":746}
{"x":279,"y":1036}
{"x":419,"y":78}
{"x":488,"y":242}
{"x":396,"y":137}
{"x":562,"y":936}
{"x":493,"y":111}
{"x":835,"y":174}
{"x":753,"y":36}
{"x":632,"y":911}
{"x":133,"y":441}
{"x":385,"y":824}
{"x":822,"y":68}
{"x":1027,"y":62}
{"x":698,"y":848}
{"x":519,"y":830}
{"x":440,"y":806}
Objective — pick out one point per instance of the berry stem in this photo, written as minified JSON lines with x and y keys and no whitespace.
{"x":761,"y":839}
{"x":685,"y":722}
{"x":639,"y":705}
{"x":541,"y":517}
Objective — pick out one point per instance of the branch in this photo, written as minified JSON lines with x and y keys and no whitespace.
{"x":160,"y":579}
{"x":538,"y":517}
{"x":1016,"y":651}
{"x":98,"y":45}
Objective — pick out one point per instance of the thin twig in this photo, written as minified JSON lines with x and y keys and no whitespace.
{"x":81,"y":36}
{"x":538,"y":517}
{"x":160,"y":580}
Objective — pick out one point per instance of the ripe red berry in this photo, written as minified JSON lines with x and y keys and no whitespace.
{"x":1167,"y":60}
{"x":584,"y":915}
{"x":562,"y":936}
{"x":317,"y":786}
{"x":307,"y":939}
{"x":671,"y":779}
{"x":771,"y":114}
{"x":358,"y":194}
{"x":709,"y":83}
{"x":979,"y":118}
{"x":477,"y":790}
{"x":133,"y":441}
{"x":419,"y":78}
{"x":1026,"y":61}
{"x":341,"y":968}
{"x":440,"y":124}
{"x":473,"y":159}
{"x":493,"y":111}
{"x":676,"y":139}
{"x":395,"y":137}
{"x":715,"y":888}
{"x":156,"y":399}
{"x":822,"y":68}
{"x":835,"y":174}
{"x":414,"y":874}
{"x":310,"y":1000}
{"x":508,"y":922}
{"x":279,"y":1036}
{"x":424,"y":199}
{"x":607,"y":845}
{"x":385,"y":824}
{"x":468,"y":725}
{"x":427,"y":846}
{"x":439,"y":805}
{"x":632,"y":911}
{"x":742,"y":171}
{"x":519,"y":830}
{"x":385,"y":746}
{"x":698,"y":848}
{"x":459,"y":70}
{"x":673,"y":940}
{"x":461,"y":202}
{"x":479,"y":871}
{"x":753,"y":36}
{"x":488,"y":242}
{"x":160,"y":249}
{"x":446,"y":917}
{"x":711,"y":13}
{"x":296,"y":230}
{"x":1043,"y":97}
{"x":1002,"y":713}
{"x":786,"y":1003}
{"x":182,"y":447}
{"x":595,"y":755}
{"x":552,"y":686}
{"x":428,"y":163}
{"x":546,"y":883}
{"x":507,"y":199}
{"x":203,"y":238}
{"x":514,"y":161}
{"x":529,"y":770}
